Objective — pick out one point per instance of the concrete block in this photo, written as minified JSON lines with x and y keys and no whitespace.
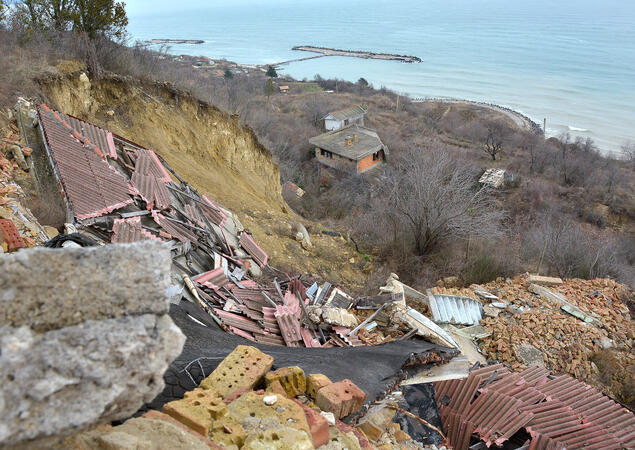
{"x":544,"y":281}
{"x":61,"y":381}
{"x":49,"y":289}
{"x":341,"y":398}
{"x":315,"y":382}
{"x":284,"y":438}
{"x":244,"y":367}
{"x":292,"y":380}
{"x":285,"y":411}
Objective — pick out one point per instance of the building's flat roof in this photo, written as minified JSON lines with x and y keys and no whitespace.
{"x":368,"y":142}
{"x":346,"y":113}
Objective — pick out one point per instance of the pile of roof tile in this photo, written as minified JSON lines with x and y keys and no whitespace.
{"x":531,"y":408}
{"x":567,"y":343}
{"x":117,"y":191}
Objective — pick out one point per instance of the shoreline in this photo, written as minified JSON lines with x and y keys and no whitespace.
{"x":520,"y":119}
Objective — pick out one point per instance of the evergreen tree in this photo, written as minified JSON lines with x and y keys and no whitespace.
{"x":228,"y":74}
{"x":271,"y":72}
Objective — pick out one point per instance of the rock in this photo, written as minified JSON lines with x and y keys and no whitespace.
{"x":329,"y":416}
{"x":285,"y":411}
{"x":491,"y":311}
{"x":148,"y":432}
{"x":529,"y":355}
{"x":375,"y":421}
{"x":63,"y":380}
{"x":339,"y":316}
{"x":301,"y":229}
{"x":270,"y":399}
{"x":110,"y":112}
{"x":292,"y":380}
{"x":544,"y":281}
{"x":244,"y":367}
{"x":50,"y":289}
{"x":499,"y":305}
{"x":83,"y":79}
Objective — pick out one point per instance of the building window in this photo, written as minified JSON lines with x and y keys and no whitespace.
{"x":375,"y":156}
{"x":345,"y":122}
{"x":326,"y":153}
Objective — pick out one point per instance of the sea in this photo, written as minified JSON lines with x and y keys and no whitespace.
{"x":569,"y":61}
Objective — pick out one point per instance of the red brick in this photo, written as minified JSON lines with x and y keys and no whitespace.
{"x":9,"y":234}
{"x":235,"y":395}
{"x":318,"y":425}
{"x":341,"y":398}
{"x":364,"y":443}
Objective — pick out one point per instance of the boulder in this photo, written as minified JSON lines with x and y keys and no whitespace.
{"x":63,"y":380}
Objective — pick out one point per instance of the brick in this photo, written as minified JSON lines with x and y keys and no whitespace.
{"x":9,"y":235}
{"x":318,"y":425}
{"x":197,"y":410}
{"x":291,"y":378}
{"x":157,"y":415}
{"x":315,"y":382}
{"x":276,"y":388}
{"x":361,"y":439}
{"x":235,"y":395}
{"x":244,"y":367}
{"x":341,"y":398}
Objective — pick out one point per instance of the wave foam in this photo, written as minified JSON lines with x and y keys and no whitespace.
{"x":581,"y":130}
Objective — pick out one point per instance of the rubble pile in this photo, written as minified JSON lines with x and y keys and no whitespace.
{"x":245,"y":404}
{"x":560,"y":327}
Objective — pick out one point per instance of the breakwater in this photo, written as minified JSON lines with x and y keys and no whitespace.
{"x":357,"y":53}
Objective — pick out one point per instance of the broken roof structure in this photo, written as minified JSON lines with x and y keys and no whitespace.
{"x":533,"y":408}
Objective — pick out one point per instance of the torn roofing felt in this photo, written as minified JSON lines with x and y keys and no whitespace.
{"x":90,"y":183}
{"x":374,"y":369}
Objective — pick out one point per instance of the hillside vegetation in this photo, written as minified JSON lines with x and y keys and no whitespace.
{"x":567,"y":212}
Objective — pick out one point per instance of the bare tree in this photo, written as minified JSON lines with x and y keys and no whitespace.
{"x":315,"y":108}
{"x":495,"y":139}
{"x":437,"y":198}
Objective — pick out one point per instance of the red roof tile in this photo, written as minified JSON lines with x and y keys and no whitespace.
{"x":130,"y":230}
{"x":97,"y":136}
{"x":91,"y":185}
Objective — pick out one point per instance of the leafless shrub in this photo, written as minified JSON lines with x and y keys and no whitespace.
{"x":434,"y":198}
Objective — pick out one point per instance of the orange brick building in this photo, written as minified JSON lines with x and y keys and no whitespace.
{"x":353,"y":149}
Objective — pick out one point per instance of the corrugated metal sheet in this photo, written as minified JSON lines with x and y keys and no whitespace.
{"x":557,"y":413}
{"x":92,"y":186}
{"x":250,"y":246}
{"x":455,"y":310}
{"x":92,"y":134}
{"x":130,"y":230}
